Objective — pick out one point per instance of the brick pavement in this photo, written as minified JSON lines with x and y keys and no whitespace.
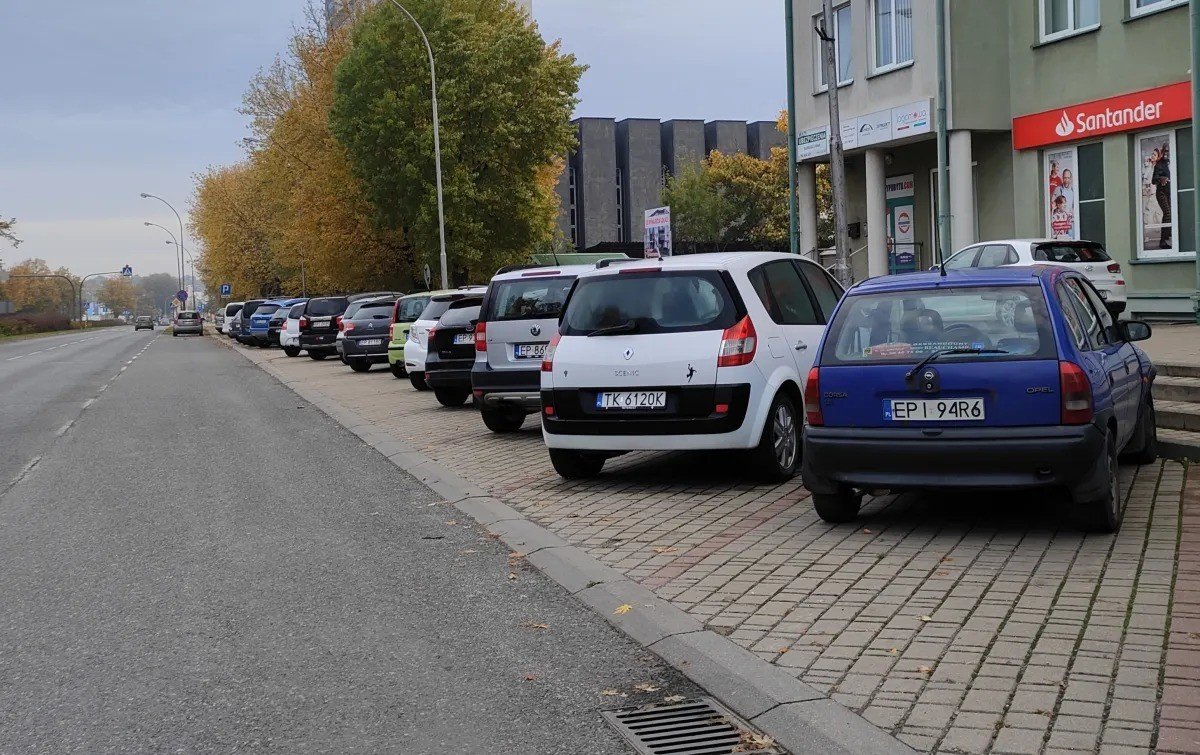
{"x":968,"y":624}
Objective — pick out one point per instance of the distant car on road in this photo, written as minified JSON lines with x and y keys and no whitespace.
{"x":143,"y":321}
{"x":188,"y":322}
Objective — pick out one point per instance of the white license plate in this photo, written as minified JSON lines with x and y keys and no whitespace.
{"x":371,"y":342}
{"x":631,"y":400}
{"x":463,"y":339}
{"x":934,"y":410}
{"x":529,"y":350}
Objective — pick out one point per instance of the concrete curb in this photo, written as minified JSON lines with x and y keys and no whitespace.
{"x":794,"y":714}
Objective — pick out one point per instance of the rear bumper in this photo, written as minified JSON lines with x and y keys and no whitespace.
{"x":395,"y":354}
{"x":448,"y":376}
{"x":508,"y":387}
{"x":955,"y":458}
{"x":320,"y":343}
{"x":693,"y":426}
{"x":375,"y":354}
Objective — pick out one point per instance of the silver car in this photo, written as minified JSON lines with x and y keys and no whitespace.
{"x":188,"y":322}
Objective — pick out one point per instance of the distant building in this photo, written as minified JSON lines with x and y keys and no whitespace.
{"x":619,"y":168}
{"x":337,"y":11}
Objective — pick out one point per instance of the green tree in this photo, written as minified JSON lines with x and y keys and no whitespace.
{"x":506,"y":98}
{"x":118,"y":294}
{"x":154,"y":291}
{"x":730,"y":200}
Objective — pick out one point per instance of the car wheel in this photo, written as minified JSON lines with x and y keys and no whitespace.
{"x":1146,"y":450}
{"x":174,"y":334}
{"x":503,"y":420}
{"x":777,"y":456}
{"x":317,"y":357}
{"x":418,"y":381}
{"x":839,"y":507}
{"x":398,"y":371}
{"x":291,"y":351}
{"x":575,"y":465}
{"x":360,"y":365}
{"x":451,"y":397}
{"x":1104,"y":514}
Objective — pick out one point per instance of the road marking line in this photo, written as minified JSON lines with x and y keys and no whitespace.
{"x":89,"y":402}
{"x":63,"y":430}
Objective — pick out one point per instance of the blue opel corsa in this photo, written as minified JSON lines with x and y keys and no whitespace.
{"x":1003,"y":378}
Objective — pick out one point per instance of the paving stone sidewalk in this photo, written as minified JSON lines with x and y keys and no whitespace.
{"x":959,"y":623}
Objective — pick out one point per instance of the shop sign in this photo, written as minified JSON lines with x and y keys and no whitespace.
{"x":1126,"y":112}
{"x":812,"y":143}
{"x":902,"y":249}
{"x":658,"y":233}
{"x":874,"y":128}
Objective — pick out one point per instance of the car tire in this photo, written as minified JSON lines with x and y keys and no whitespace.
{"x":318,"y":357}
{"x":575,"y":465}
{"x":417,"y":379}
{"x":359,"y":365}
{"x":503,"y":420}
{"x":1146,"y":449}
{"x":1104,"y":514}
{"x":174,"y":334}
{"x":777,"y":457}
{"x":839,"y":507}
{"x":291,"y":351}
{"x":451,"y":397}
{"x":398,"y":371}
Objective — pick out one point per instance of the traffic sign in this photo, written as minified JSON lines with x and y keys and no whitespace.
{"x":181,"y":296}
{"x":127,"y":271}
{"x":226,"y":289}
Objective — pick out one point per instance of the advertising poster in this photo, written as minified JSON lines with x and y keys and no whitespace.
{"x":658,"y":233}
{"x":1062,"y":199}
{"x":902,"y":249}
{"x":1156,"y":193}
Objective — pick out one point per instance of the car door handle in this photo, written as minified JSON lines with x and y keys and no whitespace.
{"x":801,"y":346}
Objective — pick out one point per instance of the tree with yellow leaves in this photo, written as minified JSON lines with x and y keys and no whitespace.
{"x":118,"y":294}
{"x":40,"y":294}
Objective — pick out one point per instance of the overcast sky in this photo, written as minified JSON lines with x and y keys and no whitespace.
{"x":104,"y":100}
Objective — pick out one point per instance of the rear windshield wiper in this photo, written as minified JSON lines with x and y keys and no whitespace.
{"x":948,"y":352}
{"x":626,"y":327}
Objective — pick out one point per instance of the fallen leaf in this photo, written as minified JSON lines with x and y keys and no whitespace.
{"x":470,"y":550}
{"x":673,"y":698}
{"x":894,"y":651}
{"x":943,"y":573}
{"x":751,"y":741}
{"x":926,"y":618}
{"x":530,"y":677}
{"x":1040,"y":712}
{"x":781,"y":651}
{"x":531,"y":625}
{"x":452,"y":522}
{"x":613,"y":693}
{"x":926,"y":669}
{"x":665,"y":550}
{"x":866,"y":531}
{"x":947,"y":559}
{"x":512,"y":576}
{"x":516,"y":556}
{"x":646,"y":687}
{"x":623,"y":609}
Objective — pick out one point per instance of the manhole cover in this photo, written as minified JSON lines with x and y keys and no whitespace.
{"x":694,"y":727}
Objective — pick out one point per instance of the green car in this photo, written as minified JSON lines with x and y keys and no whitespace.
{"x":408,"y":310}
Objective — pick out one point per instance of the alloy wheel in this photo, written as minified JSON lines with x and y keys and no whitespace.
{"x":784,"y":431}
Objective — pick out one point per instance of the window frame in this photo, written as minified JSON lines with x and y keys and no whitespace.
{"x":820,"y":86}
{"x":1071,"y":30}
{"x":1085,"y":309}
{"x":1160,"y":5}
{"x":805,"y":268}
{"x":1010,"y":256}
{"x":895,"y":65}
{"x":976,"y":248}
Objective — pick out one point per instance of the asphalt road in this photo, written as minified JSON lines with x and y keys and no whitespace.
{"x":202,"y":562}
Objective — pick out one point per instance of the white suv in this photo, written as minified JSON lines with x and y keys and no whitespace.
{"x":705,"y":351}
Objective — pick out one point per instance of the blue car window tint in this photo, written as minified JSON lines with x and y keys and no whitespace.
{"x":1093,"y":326}
{"x":1071,"y":315}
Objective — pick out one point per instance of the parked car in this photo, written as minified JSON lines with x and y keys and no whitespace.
{"x":318,"y":325}
{"x":289,"y":336}
{"x":415,"y":348}
{"x":695,"y":352}
{"x":518,"y":318}
{"x":1087,"y":257}
{"x":243,"y":334}
{"x":143,"y":321}
{"x":235,"y":325}
{"x":275,"y":325}
{"x":408,"y":309}
{"x":918,"y":386}
{"x":364,"y":332}
{"x":231,"y":309}
{"x":260,"y":322}
{"x":452,"y":351}
{"x":187,"y":322}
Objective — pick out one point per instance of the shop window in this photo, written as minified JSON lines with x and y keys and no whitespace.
{"x":1074,"y":192}
{"x":1165,"y":193}
{"x":1062,"y":18}
{"x":892,"y":32}
{"x":843,"y":43}
{"x":1142,"y":7}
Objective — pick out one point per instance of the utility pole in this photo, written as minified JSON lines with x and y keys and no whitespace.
{"x":1195,"y":19}
{"x":837,"y":162}
{"x":793,"y":210}
{"x":943,"y":158}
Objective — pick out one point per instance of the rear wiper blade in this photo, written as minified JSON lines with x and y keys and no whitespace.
{"x":948,"y":352}
{"x":625,"y":327}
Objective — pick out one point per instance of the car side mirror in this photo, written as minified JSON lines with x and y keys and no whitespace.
{"x":1135,"y":330}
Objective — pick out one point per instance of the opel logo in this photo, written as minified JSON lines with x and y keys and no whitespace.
{"x":628,"y":354}
{"x":929,"y":375}
{"x":536,"y":330}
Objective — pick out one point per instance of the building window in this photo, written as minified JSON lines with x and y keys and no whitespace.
{"x":843,"y":43}
{"x":892,"y":32}
{"x":574,"y":206}
{"x":1166,"y":189}
{"x":620,"y":206}
{"x":1142,"y":7}
{"x":1074,"y":192}
{"x":1062,"y":18}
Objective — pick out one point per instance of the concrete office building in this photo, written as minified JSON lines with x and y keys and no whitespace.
{"x":1059,"y":113}
{"x":617,"y":171}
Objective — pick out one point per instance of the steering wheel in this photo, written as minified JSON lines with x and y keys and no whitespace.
{"x":966,"y":334}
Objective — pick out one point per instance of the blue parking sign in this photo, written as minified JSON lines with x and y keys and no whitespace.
{"x":226,"y":289}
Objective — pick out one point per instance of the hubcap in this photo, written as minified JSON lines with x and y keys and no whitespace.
{"x":784,"y":437}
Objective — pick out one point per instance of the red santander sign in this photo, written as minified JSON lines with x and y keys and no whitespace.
{"x":1125,"y":112}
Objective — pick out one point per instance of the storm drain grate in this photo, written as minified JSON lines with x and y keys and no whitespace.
{"x":693,"y":727}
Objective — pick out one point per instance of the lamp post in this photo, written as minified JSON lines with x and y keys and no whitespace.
{"x":181,"y":236}
{"x":437,"y":144}
{"x":178,"y":248}
{"x":191,"y":261}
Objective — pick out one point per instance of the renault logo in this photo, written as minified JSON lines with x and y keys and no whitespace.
{"x":536,"y":330}
{"x":628,"y":354}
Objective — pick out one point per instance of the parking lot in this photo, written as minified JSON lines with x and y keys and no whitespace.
{"x":958,"y":623}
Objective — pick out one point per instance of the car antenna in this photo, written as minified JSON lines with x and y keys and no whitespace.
{"x":942,"y":260}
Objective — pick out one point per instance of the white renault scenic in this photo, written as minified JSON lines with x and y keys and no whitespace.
{"x":696,"y":352}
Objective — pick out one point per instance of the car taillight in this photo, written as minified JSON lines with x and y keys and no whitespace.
{"x":338,"y":322}
{"x":812,"y":398}
{"x":548,"y":359}
{"x":345,"y":327}
{"x":1114,"y":267}
{"x":429,"y":336}
{"x":1076,"y":394}
{"x":481,"y":336}
{"x":738,"y":344}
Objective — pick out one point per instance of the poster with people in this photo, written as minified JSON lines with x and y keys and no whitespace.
{"x":1062,"y":201}
{"x":1156,"y":200}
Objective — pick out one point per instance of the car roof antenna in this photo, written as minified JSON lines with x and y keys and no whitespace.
{"x":941,"y":260}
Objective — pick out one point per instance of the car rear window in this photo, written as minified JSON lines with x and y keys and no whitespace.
{"x":655,"y":302}
{"x":267,"y":309}
{"x":1060,"y":252}
{"x":250,"y":307}
{"x":436,"y":308}
{"x":410,"y":309}
{"x":187,"y":316}
{"x":528,"y":298}
{"x":380,"y":310}
{"x":326,"y":307}
{"x":907,"y":326}
{"x":232,"y":310}
{"x":457,"y":317}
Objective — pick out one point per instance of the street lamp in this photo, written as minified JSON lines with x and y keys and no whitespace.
{"x":182,"y":238}
{"x":179,"y":249}
{"x":192,"y":262}
{"x":437,"y":143}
